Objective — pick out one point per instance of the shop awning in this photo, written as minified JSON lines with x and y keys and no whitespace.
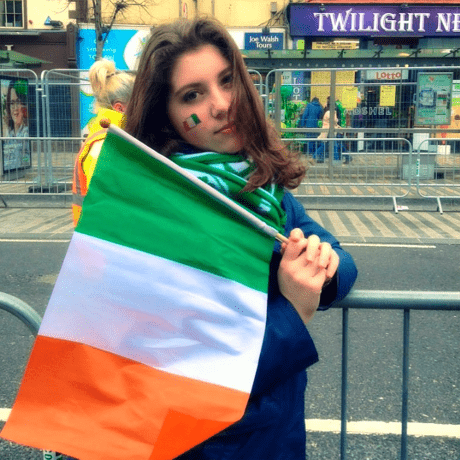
{"x":276,"y":59}
{"x":15,"y":59}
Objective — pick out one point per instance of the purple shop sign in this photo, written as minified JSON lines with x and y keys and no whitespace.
{"x":357,"y":20}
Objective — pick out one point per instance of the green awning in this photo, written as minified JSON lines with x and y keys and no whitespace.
{"x":265,"y":60}
{"x":13,"y":58}
{"x":349,"y":54}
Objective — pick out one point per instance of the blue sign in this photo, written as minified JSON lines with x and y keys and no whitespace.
{"x":123,"y":46}
{"x":259,"y":41}
{"x":114,"y":48}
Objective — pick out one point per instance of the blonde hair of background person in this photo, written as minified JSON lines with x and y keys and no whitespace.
{"x":112,"y":90}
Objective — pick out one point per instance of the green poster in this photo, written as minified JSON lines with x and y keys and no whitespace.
{"x":434,"y":98}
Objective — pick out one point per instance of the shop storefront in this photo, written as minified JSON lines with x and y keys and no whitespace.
{"x":399,"y":26}
{"x":387,"y":42}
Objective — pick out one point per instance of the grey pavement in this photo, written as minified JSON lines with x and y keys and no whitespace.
{"x":355,"y":222}
{"x":361,"y":225}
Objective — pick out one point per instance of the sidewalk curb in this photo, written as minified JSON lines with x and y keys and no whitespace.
{"x":369,"y":203}
{"x":44,"y":236}
{"x":356,"y":203}
{"x":36,"y":200}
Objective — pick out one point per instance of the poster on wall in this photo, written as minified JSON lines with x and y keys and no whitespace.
{"x":434,"y":98}
{"x":387,"y":96}
{"x":14,"y":108}
{"x":455,"y":114}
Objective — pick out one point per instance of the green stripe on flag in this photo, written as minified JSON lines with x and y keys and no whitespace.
{"x":136,"y":201}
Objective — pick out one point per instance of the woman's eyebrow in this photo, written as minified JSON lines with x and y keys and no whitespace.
{"x":186,"y":87}
{"x":200,"y":83}
{"x":229,"y":68}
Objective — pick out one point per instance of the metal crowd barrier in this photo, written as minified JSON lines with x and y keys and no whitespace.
{"x":351,"y":168}
{"x":358,"y":299}
{"x":389,"y":300}
{"x":437,"y":169}
{"x":58,"y":106}
{"x":51,"y":170}
{"x":21,"y":310}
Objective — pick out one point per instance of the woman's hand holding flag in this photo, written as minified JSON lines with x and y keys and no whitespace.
{"x":307,"y":265}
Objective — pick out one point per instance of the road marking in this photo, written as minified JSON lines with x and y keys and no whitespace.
{"x":396,"y":221}
{"x":315,"y":215}
{"x":363,"y":428}
{"x":420,"y":225}
{"x":358,"y":224}
{"x":339,"y":227}
{"x":446,"y":228}
{"x":391,"y":245}
{"x":378,"y":224}
{"x":385,"y":428}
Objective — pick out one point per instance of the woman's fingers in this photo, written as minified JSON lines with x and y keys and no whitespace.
{"x":333,"y":265}
{"x":296,"y":246}
{"x":307,"y":251}
{"x":313,"y":248}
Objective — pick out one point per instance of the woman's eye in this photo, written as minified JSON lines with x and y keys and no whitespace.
{"x":228,"y":79}
{"x":190,"y":96}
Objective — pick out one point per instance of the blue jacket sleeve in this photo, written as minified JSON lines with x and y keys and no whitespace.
{"x":287,"y":347}
{"x":346,"y":273}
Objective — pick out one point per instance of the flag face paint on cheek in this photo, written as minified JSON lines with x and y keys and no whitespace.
{"x":191,"y":122}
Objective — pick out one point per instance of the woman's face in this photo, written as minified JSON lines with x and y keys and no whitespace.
{"x":16,"y":109}
{"x":200,"y":100}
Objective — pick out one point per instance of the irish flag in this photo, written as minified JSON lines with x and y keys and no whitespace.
{"x":151,"y":339}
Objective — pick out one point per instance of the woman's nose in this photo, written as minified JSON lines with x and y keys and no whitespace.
{"x":220,"y":103}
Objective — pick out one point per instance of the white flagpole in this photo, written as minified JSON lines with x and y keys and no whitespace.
{"x":253,"y":220}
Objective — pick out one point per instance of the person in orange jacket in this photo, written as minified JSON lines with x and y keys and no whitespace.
{"x":112,"y":90}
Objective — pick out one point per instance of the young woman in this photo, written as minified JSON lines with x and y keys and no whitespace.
{"x":112,"y":91}
{"x":192,"y":96}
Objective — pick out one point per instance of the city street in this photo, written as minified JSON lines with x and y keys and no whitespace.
{"x":405,"y":251}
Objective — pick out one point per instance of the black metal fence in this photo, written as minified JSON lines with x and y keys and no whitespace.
{"x":404,"y":301}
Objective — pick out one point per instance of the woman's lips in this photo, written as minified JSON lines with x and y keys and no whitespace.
{"x":227,"y":129}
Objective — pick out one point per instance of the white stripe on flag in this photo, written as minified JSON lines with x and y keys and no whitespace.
{"x":157,"y":312}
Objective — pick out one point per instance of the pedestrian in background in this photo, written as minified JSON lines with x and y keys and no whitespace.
{"x":322,"y":151}
{"x":112,"y":90}
{"x":312,"y":114}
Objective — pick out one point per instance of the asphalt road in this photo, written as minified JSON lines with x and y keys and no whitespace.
{"x":29,"y":271}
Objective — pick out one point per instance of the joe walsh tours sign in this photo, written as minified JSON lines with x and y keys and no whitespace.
{"x":357,"y":20}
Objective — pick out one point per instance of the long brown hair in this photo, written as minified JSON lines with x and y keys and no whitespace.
{"x":147,"y":111}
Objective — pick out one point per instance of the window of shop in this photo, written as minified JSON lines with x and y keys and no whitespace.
{"x":335,"y":44}
{"x":11,"y":13}
{"x":397,"y":43}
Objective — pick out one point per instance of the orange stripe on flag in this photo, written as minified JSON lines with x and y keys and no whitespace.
{"x":95,"y":405}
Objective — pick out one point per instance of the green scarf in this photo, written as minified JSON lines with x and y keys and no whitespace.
{"x":229,"y":174}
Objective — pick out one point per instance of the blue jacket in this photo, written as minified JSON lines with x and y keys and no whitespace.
{"x":310,"y":116}
{"x":273,"y":426}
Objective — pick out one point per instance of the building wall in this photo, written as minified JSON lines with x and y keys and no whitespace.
{"x":232,"y":13}
{"x":38,"y":11}
{"x":45,"y":34}
{"x":51,"y":47}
